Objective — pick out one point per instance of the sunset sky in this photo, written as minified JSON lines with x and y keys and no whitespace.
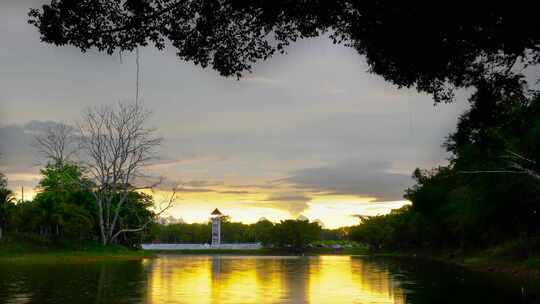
{"x":308,"y":133}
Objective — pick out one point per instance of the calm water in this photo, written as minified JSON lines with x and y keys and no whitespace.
{"x":227,"y":279}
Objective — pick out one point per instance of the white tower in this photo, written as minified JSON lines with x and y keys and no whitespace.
{"x":216,"y":227}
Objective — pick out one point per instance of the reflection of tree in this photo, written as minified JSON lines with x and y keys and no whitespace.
{"x":120,"y":282}
{"x":376,"y":279}
{"x":258,"y":279}
{"x":72,"y":282}
{"x":296,"y":276}
{"x":423,"y":281}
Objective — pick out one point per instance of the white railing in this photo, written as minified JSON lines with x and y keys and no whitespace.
{"x":243,"y":246}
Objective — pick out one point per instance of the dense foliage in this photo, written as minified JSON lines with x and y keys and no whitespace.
{"x":487,"y":195}
{"x":293,"y":234}
{"x":6,"y":204}
{"x":65,"y":208}
{"x":409,"y":43}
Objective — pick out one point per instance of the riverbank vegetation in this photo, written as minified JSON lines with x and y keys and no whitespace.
{"x":484,"y":205}
{"x":296,"y":235}
{"x":90,"y":187}
{"x":32,"y":247}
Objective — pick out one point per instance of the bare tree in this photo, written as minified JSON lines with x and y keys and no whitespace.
{"x":516,"y":164}
{"x":117,"y":145}
{"x":57,"y":143}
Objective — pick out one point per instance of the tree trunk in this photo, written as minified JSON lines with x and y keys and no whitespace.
{"x":0,"y":232}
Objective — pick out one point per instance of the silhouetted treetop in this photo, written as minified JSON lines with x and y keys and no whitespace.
{"x":429,"y":45}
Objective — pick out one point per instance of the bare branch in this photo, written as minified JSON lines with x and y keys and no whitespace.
{"x":117,"y":146}
{"x":491,"y":171}
{"x":57,"y":143}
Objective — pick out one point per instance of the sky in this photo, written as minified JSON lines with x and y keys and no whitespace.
{"x":309,"y":133}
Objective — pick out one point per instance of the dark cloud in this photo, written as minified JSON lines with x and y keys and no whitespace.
{"x":354,"y":177}
{"x":204,"y":187}
{"x":236,"y":192}
{"x":193,"y":190}
{"x":287,"y":197}
{"x":293,"y":207}
{"x":200,"y":183}
{"x":16,"y":152}
{"x":294,"y":203}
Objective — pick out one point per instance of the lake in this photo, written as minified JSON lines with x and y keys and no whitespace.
{"x":253,"y":279}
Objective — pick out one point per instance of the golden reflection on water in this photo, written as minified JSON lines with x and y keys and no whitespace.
{"x":227,"y":279}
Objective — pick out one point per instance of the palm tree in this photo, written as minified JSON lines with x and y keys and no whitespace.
{"x":6,"y":201}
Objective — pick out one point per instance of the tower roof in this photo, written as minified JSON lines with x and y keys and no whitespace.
{"x":216,"y":212}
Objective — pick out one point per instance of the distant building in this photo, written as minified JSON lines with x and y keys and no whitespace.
{"x":216,"y":216}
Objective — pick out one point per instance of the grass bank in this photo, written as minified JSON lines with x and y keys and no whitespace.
{"x":29,"y":247}
{"x":32,"y":247}
{"x":508,"y":258}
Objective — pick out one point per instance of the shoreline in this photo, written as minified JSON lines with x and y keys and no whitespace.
{"x":88,"y":252}
{"x":524,"y":269}
{"x":481,"y":261}
{"x":262,"y":252}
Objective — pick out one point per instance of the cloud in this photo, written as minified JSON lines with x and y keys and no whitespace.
{"x":209,"y":190}
{"x":294,"y":203}
{"x":200,"y":183}
{"x":203,"y":186}
{"x":293,"y":208}
{"x":19,"y":160}
{"x":17,"y":153}
{"x":193,"y":190}
{"x":353,"y":177}
{"x":235,"y":192}
{"x":287,"y":197}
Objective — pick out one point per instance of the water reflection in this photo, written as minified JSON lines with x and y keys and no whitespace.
{"x":221,"y":279}
{"x":229,"y":279}
{"x":71,"y":282}
{"x":335,"y":279}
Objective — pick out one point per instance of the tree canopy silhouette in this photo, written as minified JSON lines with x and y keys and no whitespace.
{"x":420,"y":44}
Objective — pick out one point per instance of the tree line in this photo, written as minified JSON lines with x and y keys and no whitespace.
{"x":296,"y":235}
{"x":90,"y":185}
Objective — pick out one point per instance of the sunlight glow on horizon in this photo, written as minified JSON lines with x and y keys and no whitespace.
{"x":248,"y":204}
{"x":333,"y":210}
{"x":194,"y":207}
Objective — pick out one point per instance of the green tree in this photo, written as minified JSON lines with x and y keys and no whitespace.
{"x":6,"y":204}
{"x":262,"y":231}
{"x":295,"y":234}
{"x":487,"y":195}
{"x":63,"y":205}
{"x":136,"y":212}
